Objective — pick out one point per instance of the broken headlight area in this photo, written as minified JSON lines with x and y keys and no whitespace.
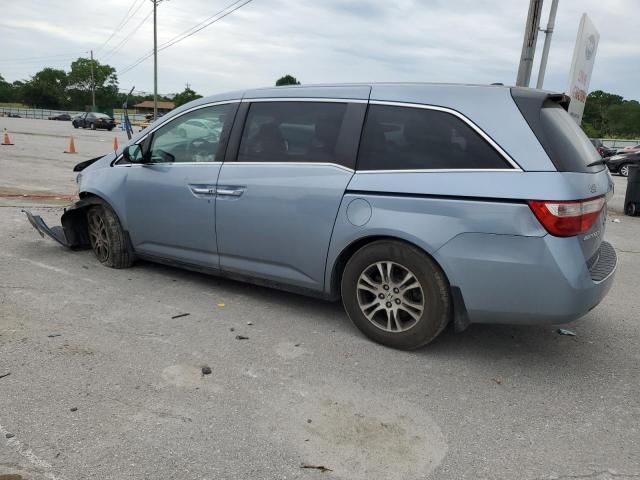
{"x":72,"y":233}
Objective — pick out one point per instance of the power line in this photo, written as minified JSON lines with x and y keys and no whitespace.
{"x":150,"y":53}
{"x":125,"y":39}
{"x":203,"y":21}
{"x":178,"y":38}
{"x":122,"y":23}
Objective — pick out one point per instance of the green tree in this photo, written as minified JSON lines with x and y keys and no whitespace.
{"x":287,"y":80}
{"x":624,"y":119}
{"x":46,"y":89}
{"x":185,"y":96}
{"x":79,"y":80}
{"x":596,"y":111}
{"x":6,"y":90}
{"x":18,"y":88}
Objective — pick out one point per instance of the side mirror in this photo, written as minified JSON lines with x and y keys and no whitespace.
{"x":132,"y":153}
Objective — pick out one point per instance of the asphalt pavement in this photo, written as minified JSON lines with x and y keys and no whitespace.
{"x":105,"y":370}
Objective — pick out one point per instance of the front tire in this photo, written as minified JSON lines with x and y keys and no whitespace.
{"x":107,"y":238}
{"x":92,"y":126}
{"x":396,"y":294}
{"x":624,"y":170}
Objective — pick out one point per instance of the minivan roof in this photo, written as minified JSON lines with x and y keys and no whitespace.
{"x":354,"y":90}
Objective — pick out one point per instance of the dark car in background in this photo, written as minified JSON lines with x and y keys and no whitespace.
{"x":602,"y":149}
{"x":94,"y":120}
{"x":629,"y":149}
{"x":62,"y":116}
{"x":620,"y":163}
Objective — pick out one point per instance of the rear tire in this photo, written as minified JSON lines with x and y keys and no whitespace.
{"x":107,"y":238}
{"x":396,"y":294}
{"x":632,"y":209}
{"x":75,"y":125}
{"x":624,"y":170}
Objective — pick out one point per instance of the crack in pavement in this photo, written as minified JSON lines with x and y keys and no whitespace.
{"x":595,"y":474}
{"x":625,"y":251}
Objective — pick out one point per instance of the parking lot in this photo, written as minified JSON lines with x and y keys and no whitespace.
{"x":105,"y":367}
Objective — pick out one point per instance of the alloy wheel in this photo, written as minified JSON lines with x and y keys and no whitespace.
{"x":624,"y":170}
{"x":390,"y":296}
{"x":98,"y":236}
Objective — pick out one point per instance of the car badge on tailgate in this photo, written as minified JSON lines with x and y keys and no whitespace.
{"x":591,"y":235}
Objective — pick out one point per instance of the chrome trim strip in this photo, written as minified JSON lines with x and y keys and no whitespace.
{"x":297,"y":164}
{"x":165,"y":164}
{"x":462,"y":117}
{"x":442,"y":170}
{"x":305,"y":99}
{"x":324,"y":164}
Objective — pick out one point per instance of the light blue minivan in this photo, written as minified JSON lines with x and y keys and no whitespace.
{"x":416,"y":204}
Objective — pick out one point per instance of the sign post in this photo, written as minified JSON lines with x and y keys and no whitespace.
{"x":584,"y":55}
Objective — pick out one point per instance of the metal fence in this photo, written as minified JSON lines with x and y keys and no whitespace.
{"x":619,"y":143}
{"x":44,"y":114}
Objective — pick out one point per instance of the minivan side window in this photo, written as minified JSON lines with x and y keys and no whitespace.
{"x":292,"y":132}
{"x":192,"y":137}
{"x":409,"y":138}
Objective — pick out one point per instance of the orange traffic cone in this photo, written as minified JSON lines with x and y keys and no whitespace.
{"x":115,"y":144}
{"x":72,"y":146}
{"x":6,"y":140}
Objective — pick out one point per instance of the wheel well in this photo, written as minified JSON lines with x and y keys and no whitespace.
{"x":74,"y":220}
{"x":347,"y":253}
{"x":459,"y":310}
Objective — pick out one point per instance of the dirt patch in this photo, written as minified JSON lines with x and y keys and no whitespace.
{"x":35,"y":195}
{"x":357,"y":434}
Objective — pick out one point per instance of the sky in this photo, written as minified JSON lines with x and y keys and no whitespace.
{"x":317,"y":41}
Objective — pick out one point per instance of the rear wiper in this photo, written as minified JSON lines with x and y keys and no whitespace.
{"x":602,"y":161}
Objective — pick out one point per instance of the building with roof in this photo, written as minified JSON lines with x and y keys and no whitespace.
{"x":147,"y":107}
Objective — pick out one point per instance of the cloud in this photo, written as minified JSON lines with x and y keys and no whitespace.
{"x":471,"y":41}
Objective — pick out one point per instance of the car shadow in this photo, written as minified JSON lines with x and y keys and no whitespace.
{"x":536,"y":349}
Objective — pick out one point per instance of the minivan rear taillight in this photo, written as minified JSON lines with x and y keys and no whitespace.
{"x":566,"y":219}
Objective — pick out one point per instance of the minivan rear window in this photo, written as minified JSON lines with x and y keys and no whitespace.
{"x":567,"y":146}
{"x":412,"y":138}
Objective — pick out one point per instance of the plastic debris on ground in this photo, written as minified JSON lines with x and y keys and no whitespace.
{"x":321,"y":468}
{"x":564,"y":331}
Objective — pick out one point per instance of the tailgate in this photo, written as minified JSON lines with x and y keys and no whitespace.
{"x":573,"y":155}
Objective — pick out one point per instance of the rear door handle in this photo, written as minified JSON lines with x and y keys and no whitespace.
{"x":230,"y":191}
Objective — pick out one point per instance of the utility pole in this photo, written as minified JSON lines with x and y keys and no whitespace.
{"x":529,"y":43}
{"x":155,"y":60}
{"x":547,"y":43}
{"x":93,"y":87}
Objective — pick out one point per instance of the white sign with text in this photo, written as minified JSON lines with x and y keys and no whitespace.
{"x":584,"y":55}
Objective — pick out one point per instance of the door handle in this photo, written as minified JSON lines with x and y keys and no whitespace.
{"x":203,"y":189}
{"x":230,"y":191}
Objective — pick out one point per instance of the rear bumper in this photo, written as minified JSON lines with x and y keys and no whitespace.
{"x":526,"y":280}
